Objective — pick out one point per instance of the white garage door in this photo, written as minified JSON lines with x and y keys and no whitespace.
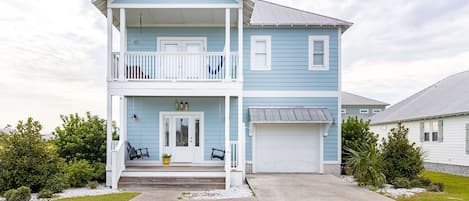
{"x":287,"y":148}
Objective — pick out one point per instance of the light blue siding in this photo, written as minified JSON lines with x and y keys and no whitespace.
{"x":290,"y":61}
{"x":330,"y":142}
{"x":144,"y":131}
{"x":176,"y":1}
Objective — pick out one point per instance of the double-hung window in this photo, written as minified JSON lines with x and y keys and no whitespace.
{"x":261,"y":53}
{"x":426,"y":131}
{"x":318,"y":53}
{"x":432,"y":131}
{"x":435,"y":129}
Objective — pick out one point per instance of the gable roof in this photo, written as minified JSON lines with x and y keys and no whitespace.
{"x":264,"y":13}
{"x":270,"y":14}
{"x":447,"y":97}
{"x":353,"y":99}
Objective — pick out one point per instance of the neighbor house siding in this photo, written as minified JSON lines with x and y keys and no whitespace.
{"x":176,"y":1}
{"x":352,"y":111}
{"x":451,"y":151}
{"x":330,"y":142}
{"x":144,"y":131}
{"x":290,"y":61}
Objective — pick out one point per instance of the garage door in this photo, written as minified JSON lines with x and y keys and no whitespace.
{"x":287,"y":148}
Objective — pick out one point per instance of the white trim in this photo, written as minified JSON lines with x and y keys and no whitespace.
{"x":326,"y":94}
{"x":227,"y":143}
{"x":201,"y":115}
{"x":311,"y":40}
{"x":108,"y":140}
{"x":123,"y":45}
{"x":268,"y":41}
{"x":173,"y":174}
{"x":331,"y":162}
{"x":171,"y":5}
{"x":240,"y":43}
{"x":377,"y":110}
{"x":228,"y":44}
{"x":339,"y":102}
{"x":109,"y":43}
{"x":291,"y":122}
{"x":181,"y":39}
{"x":364,"y":111}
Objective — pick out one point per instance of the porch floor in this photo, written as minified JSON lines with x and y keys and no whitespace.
{"x":175,"y":169}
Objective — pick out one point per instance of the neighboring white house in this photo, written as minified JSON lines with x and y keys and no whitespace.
{"x":438,"y":120}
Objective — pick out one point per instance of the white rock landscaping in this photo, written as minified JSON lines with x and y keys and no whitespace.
{"x":234,"y":192}
{"x":76,"y":192}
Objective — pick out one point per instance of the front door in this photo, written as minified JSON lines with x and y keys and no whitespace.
{"x":182,"y":137}
{"x":184,"y":57}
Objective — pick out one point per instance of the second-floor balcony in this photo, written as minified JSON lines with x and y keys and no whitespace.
{"x":164,"y":66}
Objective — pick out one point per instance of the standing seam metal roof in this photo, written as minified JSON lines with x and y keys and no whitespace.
{"x":289,"y":114}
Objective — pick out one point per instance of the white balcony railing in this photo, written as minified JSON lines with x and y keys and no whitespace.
{"x":207,"y":66}
{"x":117,"y":163}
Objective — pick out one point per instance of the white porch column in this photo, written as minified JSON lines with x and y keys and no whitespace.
{"x":109,"y":44}
{"x":227,"y":143}
{"x":240,"y":44}
{"x":227,"y":44}
{"x":123,"y":44}
{"x":108,"y":139}
{"x":241,"y":137}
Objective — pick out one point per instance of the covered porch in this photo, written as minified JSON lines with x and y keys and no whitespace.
{"x":195,"y":131}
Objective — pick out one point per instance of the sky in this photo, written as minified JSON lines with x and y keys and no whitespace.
{"x":53,"y":52}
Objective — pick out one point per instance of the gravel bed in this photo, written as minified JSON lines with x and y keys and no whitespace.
{"x":389,"y":189}
{"x":235,"y":192}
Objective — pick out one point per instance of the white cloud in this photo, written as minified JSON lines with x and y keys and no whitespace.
{"x":52,"y":52}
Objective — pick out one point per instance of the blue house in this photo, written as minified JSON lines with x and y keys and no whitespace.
{"x":358,"y":106}
{"x":226,"y":87}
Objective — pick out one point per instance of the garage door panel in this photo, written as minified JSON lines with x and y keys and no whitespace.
{"x":287,"y":148}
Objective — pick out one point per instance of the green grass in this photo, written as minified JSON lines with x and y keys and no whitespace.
{"x":110,"y":197}
{"x":456,"y":188}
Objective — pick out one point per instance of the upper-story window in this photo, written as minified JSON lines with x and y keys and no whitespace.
{"x":261,"y":53}
{"x":318,"y":53}
{"x":364,"y":111}
{"x":343,"y":111}
{"x":376,"y":110}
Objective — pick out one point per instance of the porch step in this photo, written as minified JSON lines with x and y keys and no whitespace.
{"x":180,"y":183}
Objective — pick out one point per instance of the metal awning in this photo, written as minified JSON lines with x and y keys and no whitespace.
{"x":289,"y":115}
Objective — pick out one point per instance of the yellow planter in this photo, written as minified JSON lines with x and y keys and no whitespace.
{"x":166,"y":161}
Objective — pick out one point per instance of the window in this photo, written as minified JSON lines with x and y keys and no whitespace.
{"x":376,"y":111}
{"x":197,"y":132}
{"x":261,"y":53}
{"x":435,"y":131}
{"x":166,"y":132}
{"x":343,"y":111}
{"x":426,"y":131}
{"x":318,"y":53}
{"x":364,"y":111}
{"x":432,"y":131}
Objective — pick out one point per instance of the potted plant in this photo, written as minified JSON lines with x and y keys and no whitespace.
{"x":166,"y":159}
{"x":348,"y":170}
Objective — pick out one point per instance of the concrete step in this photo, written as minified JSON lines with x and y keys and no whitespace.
{"x":180,"y":183}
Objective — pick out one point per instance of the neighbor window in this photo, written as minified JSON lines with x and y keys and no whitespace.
{"x":435,"y":130}
{"x":426,"y":131}
{"x":364,"y":111}
{"x":318,"y":53}
{"x":343,"y":111}
{"x":261,"y":53}
{"x":376,"y":111}
{"x":431,"y":131}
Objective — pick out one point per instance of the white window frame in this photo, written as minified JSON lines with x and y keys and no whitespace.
{"x":311,"y":40}
{"x":268,"y":44}
{"x":343,"y":111}
{"x":376,"y":110}
{"x":431,"y":127}
{"x":362,"y":111}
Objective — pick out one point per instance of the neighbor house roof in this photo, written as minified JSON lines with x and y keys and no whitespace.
{"x":270,"y":14}
{"x":264,"y":13}
{"x":447,"y":97}
{"x":353,"y":99}
{"x":289,"y":114}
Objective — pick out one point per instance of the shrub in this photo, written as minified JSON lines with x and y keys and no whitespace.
{"x":56,"y":183}
{"x":81,"y":138}
{"x":437,"y":187}
{"x":401,"y":183}
{"x":44,"y":193}
{"x":356,"y":132}
{"x":93,"y":184}
{"x":79,"y":173}
{"x":415,"y":183}
{"x":27,"y":159}
{"x":401,"y":158}
{"x":425,"y":181}
{"x":22,"y":193}
{"x":99,"y":171}
{"x":366,"y":164}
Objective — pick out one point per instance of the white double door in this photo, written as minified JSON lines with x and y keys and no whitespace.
{"x":182,"y":137}
{"x":184,"y":58}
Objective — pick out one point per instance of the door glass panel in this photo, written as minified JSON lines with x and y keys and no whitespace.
{"x":182,"y":132}
{"x":170,"y":47}
{"x":197,"y":132}
{"x":166,"y":132}
{"x":193,"y":47}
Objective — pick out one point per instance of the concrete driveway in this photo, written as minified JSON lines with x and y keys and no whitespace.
{"x":308,"y":187}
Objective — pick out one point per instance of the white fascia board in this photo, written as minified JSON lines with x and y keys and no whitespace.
{"x":149,"y":5}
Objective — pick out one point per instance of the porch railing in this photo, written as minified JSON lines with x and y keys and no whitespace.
{"x":207,"y":66}
{"x":117,"y":163}
{"x":234,"y":154}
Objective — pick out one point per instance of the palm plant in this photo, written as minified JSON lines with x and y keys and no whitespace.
{"x":366,"y":163}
